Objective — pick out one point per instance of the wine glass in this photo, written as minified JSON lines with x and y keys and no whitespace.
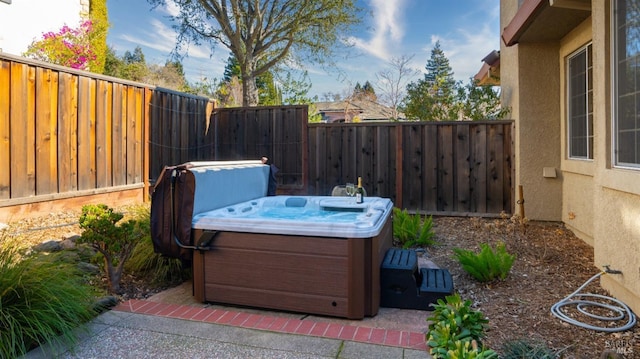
{"x":350,"y":189}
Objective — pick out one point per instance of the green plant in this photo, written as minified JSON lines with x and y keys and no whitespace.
{"x":453,"y":309}
{"x":411,"y":230}
{"x":454,"y":322}
{"x":469,"y":350}
{"x":525,"y":348}
{"x":488,"y":264}
{"x":43,"y":299}
{"x":145,"y":262}
{"x":115,"y":242}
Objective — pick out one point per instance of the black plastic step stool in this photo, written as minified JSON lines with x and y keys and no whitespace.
{"x":403,"y":286}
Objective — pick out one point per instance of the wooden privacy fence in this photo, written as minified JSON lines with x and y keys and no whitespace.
{"x":278,"y":133}
{"x":71,"y":137}
{"x":453,"y":168}
{"x":180,"y":130}
{"x":448,"y":168}
{"x":67,"y":135}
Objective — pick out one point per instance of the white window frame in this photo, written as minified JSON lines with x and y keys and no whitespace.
{"x":614,"y":97}
{"x":587,"y":49}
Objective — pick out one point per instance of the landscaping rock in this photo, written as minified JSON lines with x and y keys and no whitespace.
{"x":85,"y":251}
{"x":68,"y":243}
{"x":48,"y":247}
{"x":88,"y":268}
{"x":104,"y":303}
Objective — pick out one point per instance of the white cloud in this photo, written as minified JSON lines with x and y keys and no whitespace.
{"x":171,"y":8}
{"x":387,"y":28}
{"x":466,"y":47}
{"x":162,"y":38}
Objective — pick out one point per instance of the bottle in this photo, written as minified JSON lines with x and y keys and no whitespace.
{"x":359,"y":191}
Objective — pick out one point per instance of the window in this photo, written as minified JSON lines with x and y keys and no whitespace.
{"x":580,"y":104}
{"x":626,"y":83}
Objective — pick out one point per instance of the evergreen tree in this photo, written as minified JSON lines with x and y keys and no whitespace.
{"x":231,"y":69}
{"x":439,"y":70}
{"x":357,"y":89}
{"x":364,"y":92}
{"x":135,"y":67}
{"x":435,"y":96}
{"x":268,"y":92}
{"x":136,"y":56}
{"x":367,"y":88}
{"x":112,"y":63}
{"x":482,"y":102}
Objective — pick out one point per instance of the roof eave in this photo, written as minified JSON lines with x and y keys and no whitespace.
{"x":531,"y":21}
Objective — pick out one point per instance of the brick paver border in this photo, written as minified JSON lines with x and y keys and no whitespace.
{"x":362,"y":334}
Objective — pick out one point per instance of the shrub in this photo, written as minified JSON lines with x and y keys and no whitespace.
{"x":42,"y":299}
{"x":525,"y":348}
{"x":455,"y":330}
{"x":145,"y":262}
{"x":486,"y":265}
{"x":68,"y":47}
{"x":115,"y":242}
{"x":467,"y":350}
{"x":411,"y":230}
{"x":471,"y":323}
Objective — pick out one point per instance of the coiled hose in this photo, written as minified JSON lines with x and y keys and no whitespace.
{"x":577,"y":299}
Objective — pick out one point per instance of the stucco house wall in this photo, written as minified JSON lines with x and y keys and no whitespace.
{"x":527,"y":75}
{"x":578,"y":182}
{"x":597,"y":201}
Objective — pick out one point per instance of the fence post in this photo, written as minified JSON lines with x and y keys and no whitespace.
{"x":399,"y":166}
{"x":148,"y":93}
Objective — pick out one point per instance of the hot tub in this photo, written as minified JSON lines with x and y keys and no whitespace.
{"x":311,"y":254}
{"x":318,"y":216}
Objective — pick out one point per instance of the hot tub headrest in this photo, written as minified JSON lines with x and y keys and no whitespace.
{"x":221,"y":185}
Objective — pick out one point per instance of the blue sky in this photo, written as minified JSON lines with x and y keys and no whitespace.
{"x":467,"y":30}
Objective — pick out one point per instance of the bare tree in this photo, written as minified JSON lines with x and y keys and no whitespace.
{"x":393,"y":81}
{"x":263,"y":33}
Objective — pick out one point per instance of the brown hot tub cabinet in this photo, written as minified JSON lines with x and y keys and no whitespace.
{"x":319,"y":275}
{"x":217,"y":215}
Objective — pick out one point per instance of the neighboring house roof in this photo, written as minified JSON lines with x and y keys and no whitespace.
{"x":489,"y":74}
{"x":364,"y":109}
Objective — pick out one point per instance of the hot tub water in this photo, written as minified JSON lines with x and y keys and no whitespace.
{"x":300,"y":215}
